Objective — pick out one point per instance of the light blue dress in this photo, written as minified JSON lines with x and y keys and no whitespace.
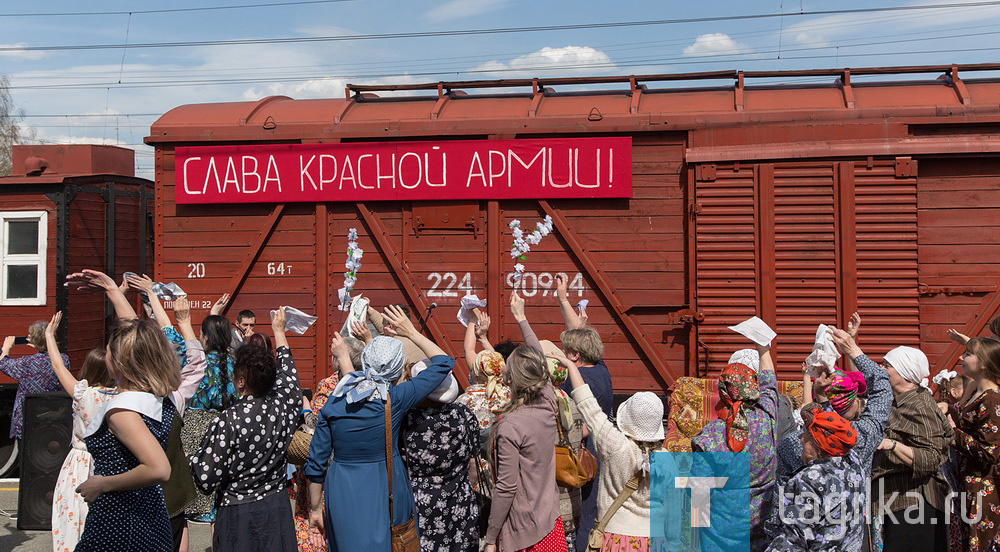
{"x":356,"y":484}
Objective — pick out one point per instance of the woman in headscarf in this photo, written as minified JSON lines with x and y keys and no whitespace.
{"x":906,"y":470}
{"x":811,"y":519}
{"x":439,"y":439}
{"x":352,"y":427}
{"x":838,"y":393}
{"x":977,"y":440}
{"x":744,"y":433}
{"x":488,"y":394}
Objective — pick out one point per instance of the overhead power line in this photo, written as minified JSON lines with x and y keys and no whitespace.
{"x":489,"y":31}
{"x":173,"y":10}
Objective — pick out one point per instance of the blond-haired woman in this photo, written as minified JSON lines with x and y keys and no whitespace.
{"x":525,"y":512}
{"x":128,"y":441}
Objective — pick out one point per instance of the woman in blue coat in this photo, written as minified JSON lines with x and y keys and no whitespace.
{"x":352,"y":427}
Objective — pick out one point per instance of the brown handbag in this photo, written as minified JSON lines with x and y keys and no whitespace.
{"x":403,"y":537}
{"x":595,"y":540}
{"x":570,"y":473}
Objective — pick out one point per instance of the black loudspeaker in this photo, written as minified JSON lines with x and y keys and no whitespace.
{"x":48,"y":429}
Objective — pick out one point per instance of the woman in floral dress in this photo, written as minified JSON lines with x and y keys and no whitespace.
{"x":90,"y":392}
{"x":439,"y":439}
{"x":977,"y":440}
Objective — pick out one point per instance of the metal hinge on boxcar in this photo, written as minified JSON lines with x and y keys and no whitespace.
{"x":685,"y":316}
{"x":923,"y":289}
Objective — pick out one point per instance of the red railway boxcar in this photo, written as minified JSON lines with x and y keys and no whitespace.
{"x":72,"y":207}
{"x":678,"y":210}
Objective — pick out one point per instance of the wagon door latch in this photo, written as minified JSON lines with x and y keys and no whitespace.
{"x":685,"y":316}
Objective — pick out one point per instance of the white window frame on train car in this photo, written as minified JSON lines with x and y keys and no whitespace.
{"x":37,"y":259}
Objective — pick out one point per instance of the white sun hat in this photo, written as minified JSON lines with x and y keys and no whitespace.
{"x":641,"y":417}
{"x":446,"y":392}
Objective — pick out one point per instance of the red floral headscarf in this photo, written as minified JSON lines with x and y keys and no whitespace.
{"x":738,"y":390}
{"x":832,"y":433}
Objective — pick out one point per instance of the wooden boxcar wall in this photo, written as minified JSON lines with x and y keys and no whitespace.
{"x":16,"y":319}
{"x":626,"y":256}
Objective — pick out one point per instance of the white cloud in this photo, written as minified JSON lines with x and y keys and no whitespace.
{"x":20,"y":52}
{"x":715,"y":44}
{"x":457,"y":9}
{"x":567,"y":60}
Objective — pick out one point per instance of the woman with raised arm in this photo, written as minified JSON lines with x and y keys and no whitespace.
{"x":744,"y":433}
{"x":352,"y":426}
{"x":439,"y":438}
{"x":33,"y":373}
{"x":215,"y":393}
{"x":324,"y":389}
{"x":128,"y":440}
{"x":487,"y":395}
{"x":624,"y":448}
{"x":525,"y":511}
{"x":90,"y":392}
{"x":243,"y":454}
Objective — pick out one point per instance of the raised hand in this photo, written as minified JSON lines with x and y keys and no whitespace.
{"x":278,"y":323}
{"x":844,"y":342}
{"x":182,"y":310}
{"x":517,"y":306}
{"x":957,"y":337}
{"x":482,"y":323}
{"x":360,"y":330}
{"x":853,"y":325}
{"x":220,"y":304}
{"x":562,"y":287}
{"x":400,"y":323}
{"x":91,"y":280}
{"x":142,"y":283}
{"x":50,"y":330}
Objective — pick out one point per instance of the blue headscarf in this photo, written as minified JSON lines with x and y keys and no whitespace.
{"x":382,"y":362}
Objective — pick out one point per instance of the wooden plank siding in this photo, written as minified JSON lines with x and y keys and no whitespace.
{"x":959,"y":243}
{"x":638,"y":242}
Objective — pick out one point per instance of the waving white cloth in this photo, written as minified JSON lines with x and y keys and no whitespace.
{"x":910,"y":363}
{"x":824,"y":354}
{"x":755,"y":330}
{"x":469,"y":302}
{"x":295,"y":320}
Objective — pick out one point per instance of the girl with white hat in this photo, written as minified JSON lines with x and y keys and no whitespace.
{"x":624,"y":449}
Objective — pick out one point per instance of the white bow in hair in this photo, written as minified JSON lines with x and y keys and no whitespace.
{"x":945,"y":375}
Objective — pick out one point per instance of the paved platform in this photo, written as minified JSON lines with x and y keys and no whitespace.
{"x":14,"y":540}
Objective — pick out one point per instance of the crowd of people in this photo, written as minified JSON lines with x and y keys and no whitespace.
{"x":389,"y":453}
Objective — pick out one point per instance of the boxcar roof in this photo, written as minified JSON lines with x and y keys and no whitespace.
{"x":633,"y":104}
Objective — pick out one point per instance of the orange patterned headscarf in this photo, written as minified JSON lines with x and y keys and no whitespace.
{"x":488,"y":369}
{"x":738,"y":391}
{"x":832,"y":433}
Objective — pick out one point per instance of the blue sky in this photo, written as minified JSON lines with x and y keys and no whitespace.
{"x":81,"y":87}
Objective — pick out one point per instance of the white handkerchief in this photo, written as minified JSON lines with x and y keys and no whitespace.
{"x":469,"y":302}
{"x":343,"y":297}
{"x":582,"y":305}
{"x":168,"y":292}
{"x":755,"y":330}
{"x":295,"y":320}
{"x":824,"y":354}
{"x":359,"y":311}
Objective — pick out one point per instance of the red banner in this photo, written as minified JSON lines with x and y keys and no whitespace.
{"x":377,"y":171}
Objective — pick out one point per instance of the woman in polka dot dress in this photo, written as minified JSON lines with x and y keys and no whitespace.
{"x":128,"y":440}
{"x":94,"y":388}
{"x":243,"y":454}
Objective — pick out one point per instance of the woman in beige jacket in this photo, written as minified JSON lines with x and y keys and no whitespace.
{"x":525,"y":512}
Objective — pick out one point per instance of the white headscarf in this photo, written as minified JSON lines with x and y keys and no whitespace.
{"x":747,"y":357}
{"x":382,"y":362}
{"x":911,"y":364}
